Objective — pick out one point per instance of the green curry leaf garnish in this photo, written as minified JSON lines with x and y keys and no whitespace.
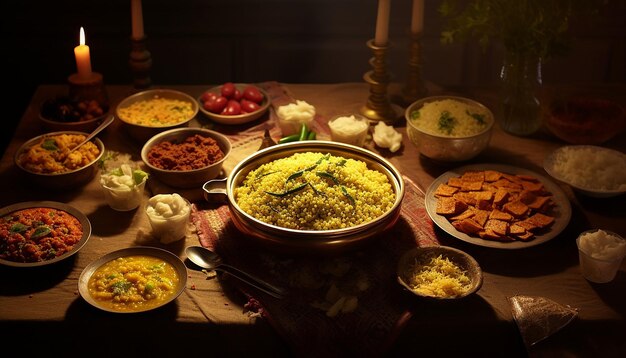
{"x":446,"y":122}
{"x":18,"y":228}
{"x":49,"y":144}
{"x":478,"y":117}
{"x":40,"y":232}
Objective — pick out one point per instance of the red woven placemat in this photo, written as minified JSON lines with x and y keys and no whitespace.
{"x":314,"y":282}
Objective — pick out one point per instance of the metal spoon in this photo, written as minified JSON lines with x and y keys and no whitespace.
{"x":95,"y":132}
{"x":209,"y":260}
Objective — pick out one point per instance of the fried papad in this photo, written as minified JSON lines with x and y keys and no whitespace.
{"x":496,"y":206}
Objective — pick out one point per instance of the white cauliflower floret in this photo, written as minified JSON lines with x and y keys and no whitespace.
{"x":167,"y":206}
{"x":387,"y":137}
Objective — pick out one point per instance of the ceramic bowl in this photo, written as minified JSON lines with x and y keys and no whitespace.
{"x":591,"y":162}
{"x":143,"y":131}
{"x":413,"y":259}
{"x":239,"y":118}
{"x":186,"y":178}
{"x":444,"y":148}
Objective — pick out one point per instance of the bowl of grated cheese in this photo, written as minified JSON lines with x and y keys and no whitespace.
{"x":439,"y":273}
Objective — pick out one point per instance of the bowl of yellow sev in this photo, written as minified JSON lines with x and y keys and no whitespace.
{"x":147,"y":113}
{"x":439,"y":273}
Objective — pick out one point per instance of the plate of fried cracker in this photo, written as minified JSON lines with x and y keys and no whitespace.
{"x":497,"y":205}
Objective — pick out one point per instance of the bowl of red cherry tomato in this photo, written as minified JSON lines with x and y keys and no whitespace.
{"x":234,"y":103}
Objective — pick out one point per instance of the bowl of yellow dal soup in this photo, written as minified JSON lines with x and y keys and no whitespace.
{"x":147,"y":113}
{"x":134,"y":279}
{"x":48,"y":160}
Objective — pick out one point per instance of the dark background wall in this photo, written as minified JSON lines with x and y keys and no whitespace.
{"x":292,"y":41}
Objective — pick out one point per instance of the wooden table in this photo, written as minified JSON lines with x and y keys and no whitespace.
{"x":41,"y":311}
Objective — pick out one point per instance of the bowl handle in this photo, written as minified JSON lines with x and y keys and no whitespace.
{"x":215,"y":191}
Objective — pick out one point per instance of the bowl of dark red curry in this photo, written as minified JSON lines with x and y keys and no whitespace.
{"x":186,"y":157}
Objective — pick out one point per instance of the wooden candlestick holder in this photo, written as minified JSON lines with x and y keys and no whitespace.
{"x":140,"y":63}
{"x":414,"y":88}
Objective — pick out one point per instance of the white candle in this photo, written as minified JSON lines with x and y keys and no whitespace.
{"x":83,"y":61}
{"x":137,"y":18}
{"x":382,"y":23}
{"x":417,"y":20}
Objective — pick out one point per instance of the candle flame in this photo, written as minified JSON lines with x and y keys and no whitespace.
{"x":82,"y":36}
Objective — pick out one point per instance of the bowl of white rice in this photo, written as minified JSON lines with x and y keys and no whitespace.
{"x":590,"y":170}
{"x":449,"y":128}
{"x":311,"y":196}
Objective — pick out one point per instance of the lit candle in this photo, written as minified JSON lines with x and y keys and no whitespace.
{"x":137,"y":17}
{"x":382,"y":23}
{"x":81,"y":52}
{"x":417,"y":21}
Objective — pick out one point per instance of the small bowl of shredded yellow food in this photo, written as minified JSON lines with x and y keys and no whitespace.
{"x":439,"y":272}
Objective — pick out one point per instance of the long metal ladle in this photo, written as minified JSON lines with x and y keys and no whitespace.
{"x":209,"y":260}
{"x":95,"y":132}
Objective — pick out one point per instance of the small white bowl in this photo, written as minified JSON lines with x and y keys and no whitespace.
{"x":596,"y":269}
{"x":355,"y":134}
{"x":289,"y":126}
{"x":550,"y":163}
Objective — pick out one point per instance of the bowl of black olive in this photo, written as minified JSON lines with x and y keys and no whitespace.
{"x":63,"y":113}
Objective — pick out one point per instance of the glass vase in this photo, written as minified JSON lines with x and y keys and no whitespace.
{"x":520,"y":79}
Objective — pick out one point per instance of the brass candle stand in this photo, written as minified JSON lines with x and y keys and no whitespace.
{"x":140,"y":63}
{"x":414,"y":88}
{"x":378,"y":107}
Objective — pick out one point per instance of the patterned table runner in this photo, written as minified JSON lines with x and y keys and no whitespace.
{"x":345,"y":304}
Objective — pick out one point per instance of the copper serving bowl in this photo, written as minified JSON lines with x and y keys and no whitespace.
{"x":306,"y":241}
